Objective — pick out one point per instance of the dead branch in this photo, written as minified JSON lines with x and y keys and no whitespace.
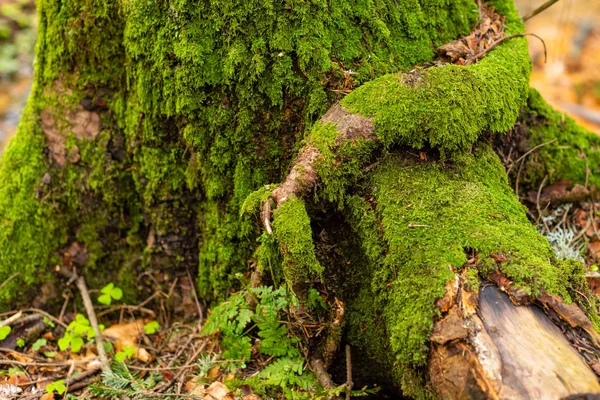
{"x":540,"y":9}
{"x":349,"y":383}
{"x":493,"y":46}
{"x":89,"y":308}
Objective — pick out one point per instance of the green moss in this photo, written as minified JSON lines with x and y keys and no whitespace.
{"x":291,"y":227}
{"x":567,"y":151}
{"x":432,"y":213}
{"x":443,"y":107}
{"x":28,"y":231}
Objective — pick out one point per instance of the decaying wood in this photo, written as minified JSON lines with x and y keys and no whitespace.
{"x":506,"y":351}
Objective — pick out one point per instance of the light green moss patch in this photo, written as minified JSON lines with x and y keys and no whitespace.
{"x":448,"y":107}
{"x":291,"y":226}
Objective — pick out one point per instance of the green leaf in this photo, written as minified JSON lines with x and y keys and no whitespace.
{"x":129,"y":350}
{"x":76,"y":344}
{"x":12,"y":371}
{"x":4,"y":331}
{"x":63,"y":343}
{"x":151,"y":327}
{"x":105,"y":299}
{"x":120,"y":356}
{"x":116,"y":293}
{"x":38,"y":344}
{"x":81,"y":319}
{"x":57,"y":386}
{"x":50,"y":354}
{"x":20,"y":342}
{"x":108,"y":288}
{"x":108,"y":347}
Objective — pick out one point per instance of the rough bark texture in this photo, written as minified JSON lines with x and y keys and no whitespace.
{"x":154,"y":126}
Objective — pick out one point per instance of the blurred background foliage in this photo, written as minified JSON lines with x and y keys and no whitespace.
{"x":18,"y":31}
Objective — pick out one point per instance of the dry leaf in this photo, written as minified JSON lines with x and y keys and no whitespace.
{"x":193,"y":386}
{"x":594,"y":249}
{"x":18,"y":379}
{"x":131,"y":330}
{"x":47,"y":396}
{"x":217,"y":391}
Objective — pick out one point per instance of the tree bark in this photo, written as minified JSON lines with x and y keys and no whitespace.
{"x":156,"y":129}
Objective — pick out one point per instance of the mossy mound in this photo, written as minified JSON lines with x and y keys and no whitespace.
{"x":427,"y":216}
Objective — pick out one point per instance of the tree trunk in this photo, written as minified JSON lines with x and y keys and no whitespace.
{"x":156,"y":131}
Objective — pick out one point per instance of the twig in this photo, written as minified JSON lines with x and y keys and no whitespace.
{"x":411,"y":225}
{"x":89,"y":308}
{"x":195,"y":297}
{"x":185,"y":367}
{"x":63,"y":310}
{"x":318,"y":368}
{"x":181,"y":349}
{"x":127,"y":308}
{"x":45,"y":314}
{"x":73,"y":383}
{"x":537,"y":204}
{"x":476,"y":57}
{"x":529,"y":152}
{"x":12,"y":319}
{"x":266,"y":216}
{"x":38,"y":364}
{"x":158,"y":369}
{"x":540,"y":9}
{"x":349,"y":382}
{"x":10,"y":278}
{"x":140,"y":307}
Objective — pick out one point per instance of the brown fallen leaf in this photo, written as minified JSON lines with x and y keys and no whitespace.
{"x":217,"y":391}
{"x":131,"y":330}
{"x":594,"y":249}
{"x":47,"y":396}
{"x":18,"y":379}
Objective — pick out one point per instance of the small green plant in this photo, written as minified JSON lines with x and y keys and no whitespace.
{"x":12,"y":371}
{"x":127,"y":353}
{"x":75,"y":332}
{"x":122,"y":383}
{"x":38,"y":344}
{"x":239,"y":327}
{"x":109,"y":293}
{"x":56,"y":386}
{"x":20,"y":342}
{"x":151,"y":327}
{"x":4,"y":331}
{"x":49,"y":322}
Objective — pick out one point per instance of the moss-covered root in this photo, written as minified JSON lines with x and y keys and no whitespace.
{"x":445,"y":108}
{"x":432,"y":214}
{"x":448,"y":107}
{"x":292,"y":229}
{"x":565,"y":150}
